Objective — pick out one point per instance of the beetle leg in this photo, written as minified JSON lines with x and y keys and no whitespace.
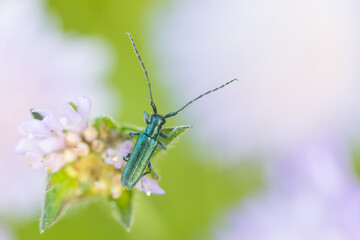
{"x":161,"y":145}
{"x":150,"y":169}
{"x":134,"y":134}
{"x":173,"y":131}
{"x":126,"y":157}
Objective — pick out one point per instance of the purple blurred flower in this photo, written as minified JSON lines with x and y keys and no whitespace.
{"x":149,"y":186}
{"x":115,"y":156}
{"x":297,"y":81}
{"x":313,"y":195}
{"x":321,"y":166}
{"x":5,"y":235}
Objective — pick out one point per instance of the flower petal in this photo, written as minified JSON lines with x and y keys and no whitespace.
{"x":83,"y":106}
{"x":52,"y":144}
{"x":114,"y":157}
{"x":126,"y":145}
{"x":54,"y":162}
{"x":149,"y":186}
{"x":43,"y":112}
{"x":33,"y":128}
{"x":71,"y":114}
{"x":110,"y":151}
{"x":27,"y":145}
{"x":118,"y":164}
{"x":52,"y":123}
{"x":73,"y":120}
{"x":123,"y":152}
{"x":108,"y":160}
{"x":35,"y":160}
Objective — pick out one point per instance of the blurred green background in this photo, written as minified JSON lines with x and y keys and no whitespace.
{"x":199,"y":190}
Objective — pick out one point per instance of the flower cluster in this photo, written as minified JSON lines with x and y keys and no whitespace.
{"x":83,"y":159}
{"x":70,"y":141}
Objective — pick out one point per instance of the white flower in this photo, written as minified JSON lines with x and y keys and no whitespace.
{"x":76,"y":119}
{"x":42,"y":137}
{"x":46,"y":146}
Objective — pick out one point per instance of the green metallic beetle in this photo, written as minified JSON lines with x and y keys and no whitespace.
{"x":139,"y":159}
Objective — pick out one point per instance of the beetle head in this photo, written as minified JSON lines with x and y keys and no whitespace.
{"x":157,"y":119}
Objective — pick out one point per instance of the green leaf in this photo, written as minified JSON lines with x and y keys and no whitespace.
{"x":60,"y":191}
{"x":36,"y":115}
{"x":106,"y":124}
{"x":169,"y":142}
{"x":73,"y":105}
{"x":105,"y":120}
{"x":111,"y":124}
{"x":123,"y":208}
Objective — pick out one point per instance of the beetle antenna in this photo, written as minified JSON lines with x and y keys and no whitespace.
{"x":215,"y":89}
{"x":146,"y":74}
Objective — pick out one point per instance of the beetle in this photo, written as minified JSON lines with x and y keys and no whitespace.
{"x":139,"y":159}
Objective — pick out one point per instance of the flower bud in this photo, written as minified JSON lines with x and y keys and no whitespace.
{"x":83,"y":149}
{"x":69,"y":155}
{"x":100,"y":186}
{"x":72,"y":139}
{"x":97,"y":146}
{"x":90,"y":134}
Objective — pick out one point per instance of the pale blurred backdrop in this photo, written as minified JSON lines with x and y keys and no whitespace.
{"x":273,"y":156}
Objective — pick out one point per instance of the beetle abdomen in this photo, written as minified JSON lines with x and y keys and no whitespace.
{"x":138,"y":161}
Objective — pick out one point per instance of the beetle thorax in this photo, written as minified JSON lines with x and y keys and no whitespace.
{"x":154,"y":127}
